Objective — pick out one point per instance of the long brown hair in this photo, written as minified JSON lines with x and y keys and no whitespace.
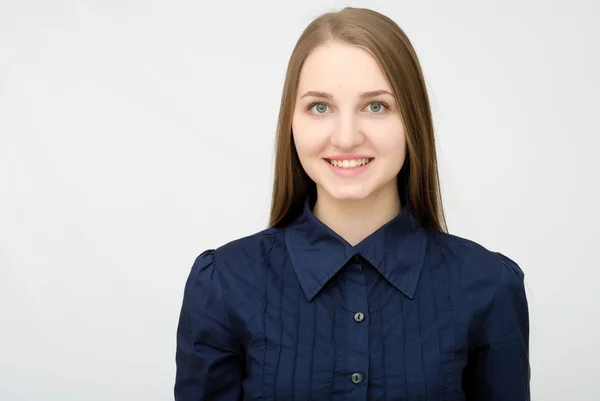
{"x":418,"y":180}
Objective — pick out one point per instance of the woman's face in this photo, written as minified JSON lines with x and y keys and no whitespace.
{"x":346,"y":125}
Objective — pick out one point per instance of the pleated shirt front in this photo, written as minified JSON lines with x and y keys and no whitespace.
{"x":297,"y":313}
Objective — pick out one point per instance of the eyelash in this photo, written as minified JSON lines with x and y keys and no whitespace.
{"x":384,"y":104}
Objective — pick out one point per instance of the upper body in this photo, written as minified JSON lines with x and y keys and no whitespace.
{"x":356,"y":291}
{"x":300,"y":314}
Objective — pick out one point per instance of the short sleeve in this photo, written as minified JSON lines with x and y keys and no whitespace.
{"x":498,"y":367}
{"x":209,"y":362}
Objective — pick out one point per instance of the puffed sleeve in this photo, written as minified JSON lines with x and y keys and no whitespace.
{"x":498,"y":367}
{"x":209,"y":362}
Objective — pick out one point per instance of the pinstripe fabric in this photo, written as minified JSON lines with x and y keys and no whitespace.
{"x":273,"y":316}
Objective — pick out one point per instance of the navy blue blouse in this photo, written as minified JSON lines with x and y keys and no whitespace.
{"x":297,"y":313}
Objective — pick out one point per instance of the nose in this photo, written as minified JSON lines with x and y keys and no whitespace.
{"x":346,"y":132}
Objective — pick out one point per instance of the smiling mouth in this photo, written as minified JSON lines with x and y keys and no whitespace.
{"x":349,"y":164}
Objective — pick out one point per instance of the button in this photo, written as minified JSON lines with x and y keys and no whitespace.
{"x":356,"y":378}
{"x":359,"y":317}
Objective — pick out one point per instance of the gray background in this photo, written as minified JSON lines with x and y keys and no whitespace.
{"x":135,"y":134}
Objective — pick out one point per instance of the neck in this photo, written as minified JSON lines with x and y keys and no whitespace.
{"x":357,"y":219}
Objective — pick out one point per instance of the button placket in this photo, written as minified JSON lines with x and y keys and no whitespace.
{"x":358,"y":330}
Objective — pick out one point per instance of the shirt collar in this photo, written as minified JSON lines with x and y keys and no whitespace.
{"x":396,"y":250}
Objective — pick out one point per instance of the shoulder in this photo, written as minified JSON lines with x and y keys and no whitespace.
{"x":492,"y":298}
{"x":481,"y":272}
{"x":229,"y":270}
{"x":244,"y":251}
{"x":237,"y":260}
{"x":473,"y":257}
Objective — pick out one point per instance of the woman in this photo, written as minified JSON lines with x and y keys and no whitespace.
{"x":355,"y":292}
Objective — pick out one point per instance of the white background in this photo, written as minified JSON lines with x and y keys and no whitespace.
{"x":135,"y":134}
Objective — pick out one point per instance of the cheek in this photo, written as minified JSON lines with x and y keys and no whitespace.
{"x":310,"y":136}
{"x":390,"y":139}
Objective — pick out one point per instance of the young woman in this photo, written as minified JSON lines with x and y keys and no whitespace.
{"x":356,"y":291}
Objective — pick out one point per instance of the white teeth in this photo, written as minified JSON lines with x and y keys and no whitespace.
{"x":349,"y":163}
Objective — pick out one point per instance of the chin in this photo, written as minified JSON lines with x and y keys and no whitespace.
{"x":348,"y":194}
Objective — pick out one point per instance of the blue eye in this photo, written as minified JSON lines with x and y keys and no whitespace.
{"x":376,"y":107}
{"x":319,"y":108}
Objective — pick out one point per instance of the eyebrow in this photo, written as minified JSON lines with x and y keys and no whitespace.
{"x":363,"y":95}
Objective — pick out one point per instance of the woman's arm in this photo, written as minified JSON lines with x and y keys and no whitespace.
{"x":498,"y":367}
{"x":209,"y":360}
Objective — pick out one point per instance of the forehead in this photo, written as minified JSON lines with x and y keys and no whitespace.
{"x":336,"y":65}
